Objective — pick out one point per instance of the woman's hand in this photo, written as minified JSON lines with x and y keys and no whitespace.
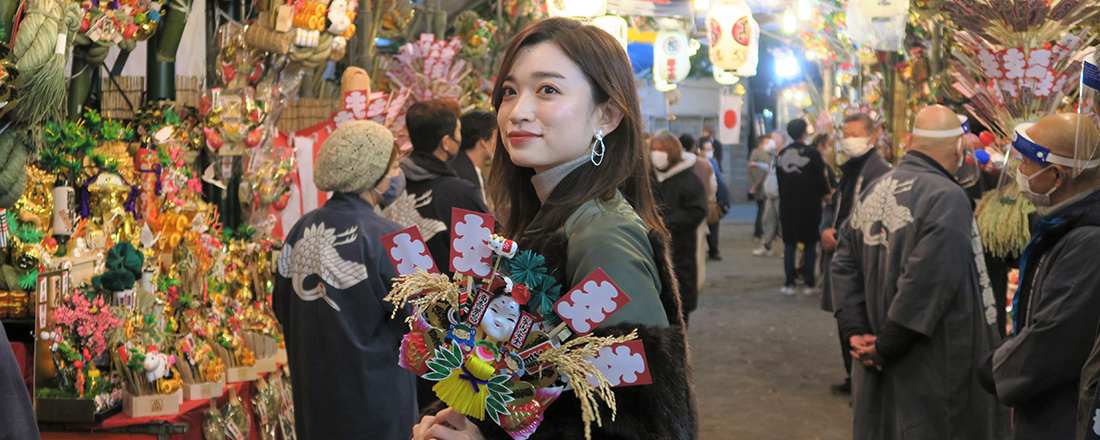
{"x":446,"y":425}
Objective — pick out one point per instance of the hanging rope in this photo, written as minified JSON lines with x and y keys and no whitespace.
{"x":41,"y":49}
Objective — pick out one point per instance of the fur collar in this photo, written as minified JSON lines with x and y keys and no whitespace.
{"x":687,"y":163}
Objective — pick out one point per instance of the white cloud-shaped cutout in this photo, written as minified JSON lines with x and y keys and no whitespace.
{"x":410,"y":254}
{"x":618,"y":364}
{"x":591,"y":305}
{"x":471,"y":246}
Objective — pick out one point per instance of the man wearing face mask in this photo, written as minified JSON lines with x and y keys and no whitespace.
{"x":861,"y":165}
{"x":435,"y":134}
{"x":1057,"y":307}
{"x":911,"y":297}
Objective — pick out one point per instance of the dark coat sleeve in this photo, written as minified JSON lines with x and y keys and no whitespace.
{"x":849,"y":301}
{"x":1061,"y":327}
{"x":828,"y":215}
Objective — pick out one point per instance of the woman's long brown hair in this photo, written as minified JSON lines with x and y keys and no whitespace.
{"x":626,"y":165}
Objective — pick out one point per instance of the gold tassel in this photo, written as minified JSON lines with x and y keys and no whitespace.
{"x":433,"y":287}
{"x":570,"y":361}
{"x":458,"y":392}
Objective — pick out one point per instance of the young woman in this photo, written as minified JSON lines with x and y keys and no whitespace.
{"x":571,"y":181}
{"x":683,"y":201}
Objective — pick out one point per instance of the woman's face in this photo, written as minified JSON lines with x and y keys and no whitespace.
{"x":501,"y":318}
{"x":547,"y":116}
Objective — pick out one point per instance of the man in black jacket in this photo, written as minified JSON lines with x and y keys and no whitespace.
{"x":861,"y":165}
{"x":479,"y":140}
{"x":1039,"y":371}
{"x":435,"y":134}
{"x":803,"y":185}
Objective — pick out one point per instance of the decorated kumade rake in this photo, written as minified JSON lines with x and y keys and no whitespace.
{"x":500,"y":339}
{"x":1017,"y":62}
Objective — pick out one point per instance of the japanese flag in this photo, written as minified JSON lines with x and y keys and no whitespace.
{"x":729,"y":119}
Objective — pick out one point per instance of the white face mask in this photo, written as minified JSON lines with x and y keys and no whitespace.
{"x":856,"y":147}
{"x":770,"y":146}
{"x":1023,"y":182}
{"x":660,"y":159}
{"x":709,"y":154}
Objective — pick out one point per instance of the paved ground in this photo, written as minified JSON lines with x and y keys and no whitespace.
{"x":763,"y":362}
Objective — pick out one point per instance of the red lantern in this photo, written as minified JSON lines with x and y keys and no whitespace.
{"x":987,"y":138}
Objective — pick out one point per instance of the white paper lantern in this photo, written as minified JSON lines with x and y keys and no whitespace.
{"x":614,"y":25}
{"x":878,"y":24}
{"x":732,"y":32}
{"x":671,"y":56}
{"x":575,"y":8}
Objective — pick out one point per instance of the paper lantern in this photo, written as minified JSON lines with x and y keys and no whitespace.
{"x":671,"y":57}
{"x":878,"y":24}
{"x":575,"y":8}
{"x":614,"y":25}
{"x":732,"y":32}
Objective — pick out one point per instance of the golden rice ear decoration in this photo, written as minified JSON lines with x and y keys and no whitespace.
{"x":570,"y":360}
{"x":431,"y":287}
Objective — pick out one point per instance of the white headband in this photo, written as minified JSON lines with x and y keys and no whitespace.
{"x":939,"y":134}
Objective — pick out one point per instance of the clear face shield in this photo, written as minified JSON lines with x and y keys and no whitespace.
{"x":969,"y":171}
{"x":1088,"y":110}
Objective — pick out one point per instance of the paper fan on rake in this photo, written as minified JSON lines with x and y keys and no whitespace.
{"x":429,"y":69}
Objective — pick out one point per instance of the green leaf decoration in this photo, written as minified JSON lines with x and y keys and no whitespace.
{"x":499,"y":380}
{"x":438,"y":367}
{"x":436,"y":376}
{"x":498,"y":388}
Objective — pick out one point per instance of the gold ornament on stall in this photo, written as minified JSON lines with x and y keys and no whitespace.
{"x":36,"y":205}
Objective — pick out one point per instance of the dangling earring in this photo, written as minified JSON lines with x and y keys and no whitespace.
{"x":597,"y":152}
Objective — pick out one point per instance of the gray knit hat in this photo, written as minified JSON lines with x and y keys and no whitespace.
{"x":353,"y":157}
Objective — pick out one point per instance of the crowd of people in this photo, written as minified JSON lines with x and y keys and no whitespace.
{"x":575,"y":177}
{"x":902,"y":268}
{"x":909,"y":283}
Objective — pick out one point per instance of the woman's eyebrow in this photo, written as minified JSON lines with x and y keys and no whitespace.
{"x":539,"y":74}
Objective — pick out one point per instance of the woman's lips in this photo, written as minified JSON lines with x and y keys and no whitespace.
{"x":519,"y":137}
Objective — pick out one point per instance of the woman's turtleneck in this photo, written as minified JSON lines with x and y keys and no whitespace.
{"x":546,"y":181}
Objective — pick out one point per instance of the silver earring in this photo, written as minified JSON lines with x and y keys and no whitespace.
{"x":597,"y":152}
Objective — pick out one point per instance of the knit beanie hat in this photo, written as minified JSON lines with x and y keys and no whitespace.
{"x":353,"y":157}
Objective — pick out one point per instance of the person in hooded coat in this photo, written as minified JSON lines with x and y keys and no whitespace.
{"x":682,"y":199}
{"x":912,"y":297}
{"x":342,"y":345}
{"x":803,"y":185}
{"x":436,"y":133}
{"x":1038,"y":371}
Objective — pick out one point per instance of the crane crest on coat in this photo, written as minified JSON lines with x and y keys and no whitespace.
{"x":792,"y":161}
{"x":315,"y":254}
{"x":879,"y":214}
{"x":403,"y":211}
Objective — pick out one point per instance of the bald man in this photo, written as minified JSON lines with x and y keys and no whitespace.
{"x":1057,"y":308}
{"x":911,"y":295}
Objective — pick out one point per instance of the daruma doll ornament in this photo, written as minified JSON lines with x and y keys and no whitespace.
{"x":732,"y":33}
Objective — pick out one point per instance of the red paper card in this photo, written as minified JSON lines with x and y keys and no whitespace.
{"x":470,"y":253}
{"x":590,"y":302}
{"x":623,"y":364}
{"x":408,"y":252}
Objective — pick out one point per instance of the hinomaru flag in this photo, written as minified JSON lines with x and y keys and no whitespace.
{"x":729,"y":119}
